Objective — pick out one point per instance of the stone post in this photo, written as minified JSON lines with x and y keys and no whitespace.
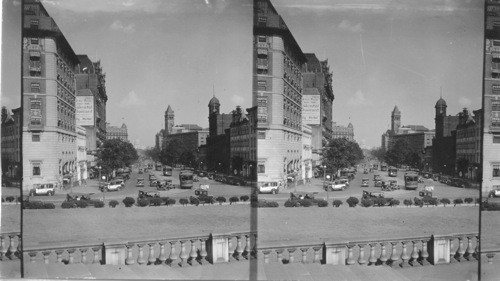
{"x":279,"y":254}
{"x":193,"y":254}
{"x":32,"y":256}
{"x":59,"y":255}
{"x":246,"y":252}
{"x":239,"y":249}
{"x":130,"y":257}
{"x":372,"y":260}
{"x":469,"y":253}
{"x":335,"y":254}
{"x":3,"y":249}
{"x":96,"y":254}
{"x":266,"y":255}
{"x":394,"y":256}
{"x":383,"y":253}
{"x":140,"y":258}
{"x":183,"y":256}
{"x":350,"y":255}
{"x":46,"y":255}
{"x":414,"y":254}
{"x":114,"y":253}
{"x":361,"y":259}
{"x":152,"y":258}
{"x":317,"y":254}
{"x":425,"y":254}
{"x":218,"y":248}
{"x":83,"y":252}
{"x":163,"y":257}
{"x":12,"y":248}
{"x":404,"y":255}
{"x":304,"y":254}
{"x":173,"y":253}
{"x":461,"y":249}
{"x":203,"y":252}
{"x":291,"y":252}
{"x":440,"y":247}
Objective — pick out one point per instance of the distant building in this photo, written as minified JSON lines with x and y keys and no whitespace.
{"x":191,"y":140}
{"x":243,"y":142}
{"x":81,"y":172}
{"x":218,"y":150}
{"x":307,"y":152}
{"x":468,"y":144}
{"x":114,"y":132}
{"x":159,"y":139}
{"x":169,"y":121}
{"x":339,"y":131}
{"x":11,"y":143}
{"x":218,"y":122}
{"x":444,"y":145}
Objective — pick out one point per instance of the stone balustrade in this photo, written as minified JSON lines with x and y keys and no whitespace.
{"x":398,"y":252}
{"x":10,"y":245}
{"x":489,"y":255}
{"x":181,"y":251}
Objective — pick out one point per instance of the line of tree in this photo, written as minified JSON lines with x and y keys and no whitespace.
{"x":175,"y":152}
{"x":399,"y":153}
{"x":116,"y":153}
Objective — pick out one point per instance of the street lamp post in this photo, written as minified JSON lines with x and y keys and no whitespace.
{"x":99,"y":169}
{"x":324,"y":184}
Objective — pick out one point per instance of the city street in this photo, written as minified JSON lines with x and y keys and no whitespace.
{"x":131,"y":190}
{"x":440,"y":190}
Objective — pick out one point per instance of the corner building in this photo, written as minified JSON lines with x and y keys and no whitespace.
{"x":49,"y":129}
{"x":277,"y":93}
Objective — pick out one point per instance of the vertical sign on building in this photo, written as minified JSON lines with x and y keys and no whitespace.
{"x":311,"y":109}
{"x":84,"y":110}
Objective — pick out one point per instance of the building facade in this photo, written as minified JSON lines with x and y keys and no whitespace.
{"x":243,"y":142}
{"x":218,"y":149}
{"x":307,"y":153}
{"x":444,"y":144}
{"x":169,"y":120}
{"x":277,"y":93}
{"x":49,"y":94}
{"x":468,"y":144}
{"x":114,"y":132}
{"x":91,"y":99}
{"x":81,"y":173}
{"x":11,"y":143}
{"x":491,"y":100}
{"x":339,"y":131}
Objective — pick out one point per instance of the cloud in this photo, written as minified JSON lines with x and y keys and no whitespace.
{"x":348,"y":26}
{"x":131,"y":100}
{"x":118,"y":25}
{"x":464,"y":102}
{"x":358,"y":99}
{"x":237,"y":100}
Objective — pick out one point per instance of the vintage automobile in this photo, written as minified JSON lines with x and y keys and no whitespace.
{"x":141,"y":171}
{"x":344,"y":180}
{"x":113,"y":185}
{"x":272,"y":187}
{"x":372,"y":194}
{"x":202,"y":189}
{"x":377,"y":177}
{"x":148,"y":194}
{"x":140,"y":182}
{"x":365,"y":171}
{"x":494,"y":193}
{"x":302,"y":195}
{"x":165,"y":185}
{"x":377,"y":183}
{"x":393,"y":184}
{"x":365,"y":182}
{"x":43,"y":189}
{"x":75,"y":197}
{"x":335,"y":186}
{"x":153,"y":183}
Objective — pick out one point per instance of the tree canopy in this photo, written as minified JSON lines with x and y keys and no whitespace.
{"x":341,"y":153}
{"x":116,"y":153}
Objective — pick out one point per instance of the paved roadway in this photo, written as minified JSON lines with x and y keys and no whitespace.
{"x":440,"y":190}
{"x":130,"y":189}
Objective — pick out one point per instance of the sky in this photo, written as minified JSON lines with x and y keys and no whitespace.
{"x":154,"y":53}
{"x":387,"y":53}
{"x":157,"y":53}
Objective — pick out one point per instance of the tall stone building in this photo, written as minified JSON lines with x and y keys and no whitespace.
{"x":468,"y":144}
{"x":277,"y":93}
{"x":218,"y":152}
{"x":395,"y":120}
{"x":169,"y":120}
{"x":11,"y":143}
{"x":491,"y":99}
{"x":243,"y":142}
{"x":91,"y":99}
{"x":49,"y":93}
{"x":444,"y":144}
{"x":339,"y":131}
{"x":115,"y":132}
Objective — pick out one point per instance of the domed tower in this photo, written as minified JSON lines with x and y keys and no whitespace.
{"x":440,"y":115}
{"x":213,"y":112}
{"x":169,"y":120}
{"x":395,"y":120}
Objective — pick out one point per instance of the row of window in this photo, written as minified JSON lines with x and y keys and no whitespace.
{"x":292,"y":94}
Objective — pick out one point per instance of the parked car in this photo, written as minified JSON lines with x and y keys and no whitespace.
{"x":377,"y":177}
{"x":113,"y":185}
{"x":365,"y":182}
{"x":302,"y":195}
{"x":272,"y":187}
{"x":43,"y":189}
{"x":202,"y":190}
{"x":494,"y":193}
{"x":336,"y":185}
{"x":140,"y":182}
{"x":377,"y":183}
{"x":75,"y":197}
{"x":148,"y":194}
{"x":370,"y":194}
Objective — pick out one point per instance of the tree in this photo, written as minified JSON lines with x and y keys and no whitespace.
{"x":116,"y":153}
{"x":153,"y":153}
{"x":398,"y":153}
{"x":378,"y":153}
{"x":341,"y":153}
{"x":413,"y":159}
{"x":172,"y":152}
{"x":187,"y":158}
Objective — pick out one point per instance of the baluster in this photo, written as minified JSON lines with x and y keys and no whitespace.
{"x":229,"y":246}
{"x":291,"y":252}
{"x":96,"y":254}
{"x":424,"y":255}
{"x":3,"y":249}
{"x":32,"y":256}
{"x":461,"y":249}
{"x":304,"y":254}
{"x":476,"y":250}
{"x":361,"y":259}
{"x":193,"y":254}
{"x":404,"y":255}
{"x":383,"y":253}
{"x":246,"y":252}
{"x":173,"y":253}
{"x":71,"y":253}
{"x":163,"y":257}
{"x":84,"y":255}
{"x":12,"y":249}
{"x":372,"y":259}
{"x":279,"y":254}
{"x":317,"y":254}
{"x":239,"y":249}
{"x":59,"y":255}
{"x":254,"y":249}
{"x":489,"y":257}
{"x":152,"y":258}
{"x":141,"y":259}
{"x":469,"y":253}
{"x":266,"y":255}
{"x":130,"y":257}
{"x":414,"y":254}
{"x":350,"y":255}
{"x":203,"y":252}
{"x":46,"y":255}
{"x":19,"y":246}
{"x":453,"y":254}
{"x":183,"y":254}
{"x":394,"y":256}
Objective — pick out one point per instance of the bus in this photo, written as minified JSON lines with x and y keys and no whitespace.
{"x":167,"y":171}
{"x":383,"y":167}
{"x":411,"y":180}
{"x":186,"y":179}
{"x":393,"y":172}
{"x":158,"y":166}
